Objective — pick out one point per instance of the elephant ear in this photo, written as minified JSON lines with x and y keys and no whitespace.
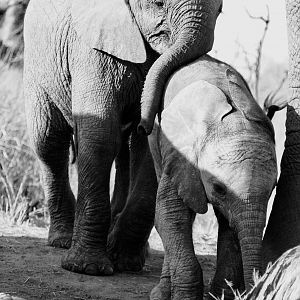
{"x":108,"y":25}
{"x":243,"y":99}
{"x":185,"y":124}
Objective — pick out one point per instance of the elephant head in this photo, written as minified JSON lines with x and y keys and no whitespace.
{"x":180,"y":30}
{"x":217,"y":146}
{"x":11,"y":28}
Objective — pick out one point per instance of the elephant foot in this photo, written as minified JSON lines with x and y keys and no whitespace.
{"x":126,"y":257}
{"x":162,"y":291}
{"x":221,"y":292}
{"x":60,"y":238}
{"x":87,"y":261}
{"x":127,"y":249}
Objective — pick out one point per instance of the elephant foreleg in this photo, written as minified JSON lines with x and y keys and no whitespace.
{"x":174,"y":223}
{"x":127,"y":241}
{"x":98,"y":143}
{"x":229,"y":261}
{"x":51,"y":136}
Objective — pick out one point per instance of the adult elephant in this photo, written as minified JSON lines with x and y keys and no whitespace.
{"x":85,"y":64}
{"x":283,"y":230}
{"x":11,"y":29}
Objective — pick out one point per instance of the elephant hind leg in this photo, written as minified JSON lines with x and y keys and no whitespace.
{"x":128,"y":239}
{"x":51,"y":136}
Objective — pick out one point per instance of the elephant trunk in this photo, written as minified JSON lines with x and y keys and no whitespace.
{"x":250,"y":231}
{"x":194,"y":23}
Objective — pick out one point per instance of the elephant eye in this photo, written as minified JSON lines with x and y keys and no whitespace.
{"x":220,"y":189}
{"x":159,"y":3}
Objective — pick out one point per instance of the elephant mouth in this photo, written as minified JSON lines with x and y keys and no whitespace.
{"x":160,"y":40}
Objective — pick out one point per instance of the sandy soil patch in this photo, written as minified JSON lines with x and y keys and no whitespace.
{"x":30,"y":269}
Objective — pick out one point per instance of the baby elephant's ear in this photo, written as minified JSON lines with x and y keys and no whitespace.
{"x":181,"y":166}
{"x":242,"y":98}
{"x":185,"y":125}
{"x":108,"y":25}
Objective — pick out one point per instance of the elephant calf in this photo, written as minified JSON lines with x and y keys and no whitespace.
{"x":212,"y":144}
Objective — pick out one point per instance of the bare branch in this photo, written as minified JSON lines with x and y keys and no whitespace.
{"x":257,"y":64}
{"x":266,"y":20}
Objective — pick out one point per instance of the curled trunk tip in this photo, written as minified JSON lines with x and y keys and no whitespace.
{"x":143,"y":127}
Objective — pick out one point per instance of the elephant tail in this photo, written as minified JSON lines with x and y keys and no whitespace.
{"x":73,"y":151}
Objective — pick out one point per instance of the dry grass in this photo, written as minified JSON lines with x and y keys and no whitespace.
{"x":238,"y":295}
{"x":281,"y":280}
{"x":20,"y":185}
{"x":12,"y":57}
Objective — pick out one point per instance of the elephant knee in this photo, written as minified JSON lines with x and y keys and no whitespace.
{"x":50,"y":149}
{"x":47,"y":151}
{"x":49,"y":142}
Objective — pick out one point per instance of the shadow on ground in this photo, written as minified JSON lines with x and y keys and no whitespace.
{"x":31,"y":269}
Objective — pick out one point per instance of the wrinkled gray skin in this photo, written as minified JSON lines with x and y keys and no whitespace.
{"x":283,"y":230}
{"x":213,"y":144}
{"x":11,"y":30}
{"x":84,"y":68}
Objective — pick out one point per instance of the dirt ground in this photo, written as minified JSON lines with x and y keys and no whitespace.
{"x":30,"y":269}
